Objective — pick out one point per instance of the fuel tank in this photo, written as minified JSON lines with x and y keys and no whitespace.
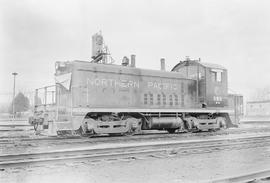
{"x":165,"y":123}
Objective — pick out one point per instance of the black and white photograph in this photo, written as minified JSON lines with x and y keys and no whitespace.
{"x":131,"y":91}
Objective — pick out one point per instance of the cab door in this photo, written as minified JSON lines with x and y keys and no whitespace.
{"x":216,"y":89}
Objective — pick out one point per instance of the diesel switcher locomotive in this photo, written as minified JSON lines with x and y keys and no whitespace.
{"x":99,"y":97}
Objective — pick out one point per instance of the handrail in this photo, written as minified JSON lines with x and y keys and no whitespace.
{"x":45,"y":95}
{"x":46,"y":87}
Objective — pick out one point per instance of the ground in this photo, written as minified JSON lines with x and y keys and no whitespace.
{"x":195,"y":167}
{"x":186,"y":168}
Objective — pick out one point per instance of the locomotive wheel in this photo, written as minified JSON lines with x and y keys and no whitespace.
{"x":132,"y":130}
{"x":84,"y":133}
{"x":221,"y":122}
{"x":80,"y":131}
{"x":190,"y":123}
{"x":129,"y":133}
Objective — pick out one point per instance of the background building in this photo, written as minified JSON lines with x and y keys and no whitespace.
{"x":258,"y":108}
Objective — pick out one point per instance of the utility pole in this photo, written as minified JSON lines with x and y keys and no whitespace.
{"x":13,"y":105}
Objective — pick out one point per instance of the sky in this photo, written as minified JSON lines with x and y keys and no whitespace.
{"x":36,"y":33}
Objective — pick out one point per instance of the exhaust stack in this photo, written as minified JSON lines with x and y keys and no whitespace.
{"x":133,"y":61}
{"x":162,"y":64}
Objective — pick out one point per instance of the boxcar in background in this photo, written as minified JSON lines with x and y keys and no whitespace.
{"x":257,"y":111}
{"x":235,"y":102}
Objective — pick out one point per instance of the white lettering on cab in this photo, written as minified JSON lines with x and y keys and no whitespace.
{"x":161,"y":86}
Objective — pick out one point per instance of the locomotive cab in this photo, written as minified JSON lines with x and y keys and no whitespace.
{"x":211,"y":81}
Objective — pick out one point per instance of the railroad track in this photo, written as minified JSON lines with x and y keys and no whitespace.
{"x":15,"y":127}
{"x":151,"y":135}
{"x":31,"y":145}
{"x":253,"y":177}
{"x":103,"y":152}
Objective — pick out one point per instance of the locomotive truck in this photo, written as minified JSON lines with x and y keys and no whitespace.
{"x":97,"y":97}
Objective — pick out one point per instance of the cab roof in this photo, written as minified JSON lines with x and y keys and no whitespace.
{"x":203,"y":64}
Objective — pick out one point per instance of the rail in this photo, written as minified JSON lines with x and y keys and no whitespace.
{"x":118,"y":151}
{"x":259,"y":176}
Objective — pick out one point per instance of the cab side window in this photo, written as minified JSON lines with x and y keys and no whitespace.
{"x":216,"y":76}
{"x":218,"y":79}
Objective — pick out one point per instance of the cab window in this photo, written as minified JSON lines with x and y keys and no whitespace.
{"x":216,"y":76}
